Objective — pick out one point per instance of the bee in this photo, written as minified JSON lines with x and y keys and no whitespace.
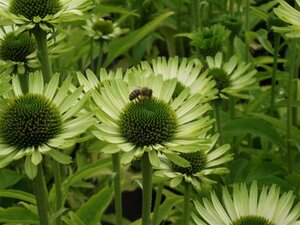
{"x":140,"y":93}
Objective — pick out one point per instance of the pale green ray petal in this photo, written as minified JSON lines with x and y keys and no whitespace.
{"x":17,"y":86}
{"x":219,"y":208}
{"x":63,"y":91}
{"x":229,"y":67}
{"x":20,"y":154}
{"x":110,"y":149}
{"x":43,"y":148}
{"x":109,"y":129}
{"x":154,"y":160}
{"x":261,"y":201}
{"x":7,"y":159}
{"x":242,"y":68}
{"x":6,"y":150}
{"x":36,"y":83}
{"x":218,"y":152}
{"x":210,"y":62}
{"x":218,"y":60}
{"x":156,"y":84}
{"x":56,"y":142}
{"x":229,"y":205}
{"x":253,"y":197}
{"x":126,"y":147}
{"x":127,"y":157}
{"x":36,"y":157}
{"x":105,"y":118}
{"x":70,"y":100}
{"x":187,"y":105}
{"x":52,"y":86}
{"x":168,"y":90}
{"x":271,"y":202}
{"x":284,"y":206}
{"x":180,"y":99}
{"x":84,"y":82}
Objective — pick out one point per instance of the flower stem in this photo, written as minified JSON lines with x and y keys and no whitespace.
{"x":292,"y":70}
{"x":41,"y":41}
{"x":147,"y":188}
{"x":247,"y":28}
{"x":218,"y":110}
{"x":117,"y":187}
{"x":157,"y":203}
{"x":58,"y":191}
{"x":274,"y":71}
{"x":186,"y":203}
{"x":41,"y":194}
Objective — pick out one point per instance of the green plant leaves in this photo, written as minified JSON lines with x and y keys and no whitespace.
{"x":254,"y":126}
{"x":17,"y":215}
{"x":91,"y":211}
{"x":120,"y":46}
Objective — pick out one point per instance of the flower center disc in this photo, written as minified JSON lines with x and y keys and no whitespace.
{"x":252,"y":220}
{"x":196,"y":159}
{"x":29,"y":121}
{"x":31,"y":8}
{"x":105,"y":27}
{"x":220,"y":77}
{"x":16,"y":48}
{"x":147,"y":122}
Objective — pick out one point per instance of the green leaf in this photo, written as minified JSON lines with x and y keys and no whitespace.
{"x":255,"y":126}
{"x":21,"y":195}
{"x":18,"y":215}
{"x":91,"y":211}
{"x":119,"y":46}
{"x":166,"y":206}
{"x":262,"y":36}
{"x":281,"y":126}
{"x":8,"y":178}
{"x":114,"y":9}
{"x":86,"y":171}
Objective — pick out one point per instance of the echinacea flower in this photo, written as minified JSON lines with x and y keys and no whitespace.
{"x":41,"y":121}
{"x":44,"y":14}
{"x":249,"y":207}
{"x":17,"y":51}
{"x":232,"y":78}
{"x":206,"y":161}
{"x":210,"y":40}
{"x":189,"y":73}
{"x":91,"y":81}
{"x":102,"y":29}
{"x":152,"y":121}
{"x":290,"y":15}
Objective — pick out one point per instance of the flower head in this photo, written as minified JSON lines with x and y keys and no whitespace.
{"x":150,"y":123}
{"x":232,"y":78}
{"x":102,"y":29}
{"x":245,"y":207}
{"x":41,"y":121}
{"x":210,"y":40}
{"x":190,"y":74}
{"x":44,"y":14}
{"x":233,"y":23}
{"x":17,"y":51}
{"x":206,"y":161}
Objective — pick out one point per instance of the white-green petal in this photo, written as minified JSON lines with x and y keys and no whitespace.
{"x":52,"y":86}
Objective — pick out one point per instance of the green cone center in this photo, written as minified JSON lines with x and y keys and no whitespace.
{"x":147,"y":122}
{"x":29,"y":121}
{"x":33,"y":8}
{"x":252,"y":220}
{"x":196,"y":159}
{"x":221,"y":78}
{"x":16,"y":47}
{"x":105,"y":27}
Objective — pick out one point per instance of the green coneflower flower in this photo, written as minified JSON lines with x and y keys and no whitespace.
{"x":245,"y":207}
{"x":151,"y":120}
{"x":41,"y":121}
{"x":91,"y":81}
{"x":204,"y":162}
{"x":232,"y":78}
{"x":102,"y":29}
{"x":289,"y":15}
{"x":233,"y":23}
{"x":17,"y":51}
{"x":29,"y":14}
{"x":189,"y":74}
{"x":210,"y":40}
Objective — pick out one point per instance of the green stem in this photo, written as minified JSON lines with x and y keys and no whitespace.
{"x":58,"y":191}
{"x":247,"y":28}
{"x":274,"y":71}
{"x":92,"y":54}
{"x":41,"y":194}
{"x":218,"y":110}
{"x":99,"y":59}
{"x":117,"y":187}
{"x":231,"y":6}
{"x":147,"y":188}
{"x":41,"y":41}
{"x":186,"y":203}
{"x":157,"y":203}
{"x":292,"y":68}
{"x":180,"y":51}
{"x":24,"y":82}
